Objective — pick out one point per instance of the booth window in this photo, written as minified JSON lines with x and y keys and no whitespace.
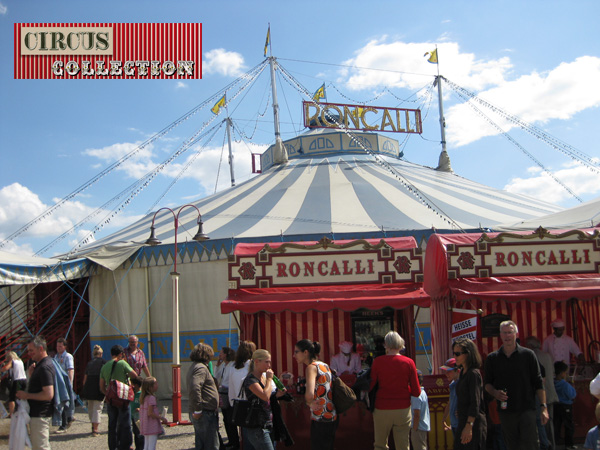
{"x":370,"y":327}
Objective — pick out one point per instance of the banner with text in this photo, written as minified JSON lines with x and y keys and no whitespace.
{"x":107,"y":51}
{"x":464,"y":324}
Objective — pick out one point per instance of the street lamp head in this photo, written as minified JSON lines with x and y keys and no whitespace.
{"x":200,"y":236}
{"x":152,"y":239}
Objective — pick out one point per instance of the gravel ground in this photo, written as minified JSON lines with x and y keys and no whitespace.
{"x":78,"y":436}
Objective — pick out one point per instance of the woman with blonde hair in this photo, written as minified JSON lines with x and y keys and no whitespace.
{"x":396,"y":378}
{"x":91,"y":388}
{"x":258,"y":384}
{"x":17,"y":374}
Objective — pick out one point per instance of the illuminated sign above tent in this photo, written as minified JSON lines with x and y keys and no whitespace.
{"x":326,"y":263}
{"x":510,"y":254}
{"x":362,"y":117}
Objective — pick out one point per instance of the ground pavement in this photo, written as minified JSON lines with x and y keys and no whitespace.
{"x":79,"y":435}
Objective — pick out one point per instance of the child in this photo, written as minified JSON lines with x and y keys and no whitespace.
{"x":563,"y":410}
{"x":420,"y":412}
{"x":592,"y":441}
{"x":138,"y":439}
{"x":150,"y":421}
{"x":451,"y":372}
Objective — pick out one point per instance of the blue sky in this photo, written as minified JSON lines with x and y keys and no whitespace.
{"x":537,"y":60}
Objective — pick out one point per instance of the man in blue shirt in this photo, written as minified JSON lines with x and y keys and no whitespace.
{"x":420,"y":418}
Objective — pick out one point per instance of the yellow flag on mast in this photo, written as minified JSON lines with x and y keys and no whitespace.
{"x":319,"y":94}
{"x":268,"y":40}
{"x":433,"y":58}
{"x":217,"y":108}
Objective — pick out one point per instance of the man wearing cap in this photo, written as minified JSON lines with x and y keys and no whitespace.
{"x":560,"y":346}
{"x":346,"y":361}
{"x":451,"y":372}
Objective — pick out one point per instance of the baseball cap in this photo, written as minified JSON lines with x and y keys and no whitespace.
{"x":558,"y":323}
{"x":449,"y":365}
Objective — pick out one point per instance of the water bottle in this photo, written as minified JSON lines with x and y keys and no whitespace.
{"x":504,"y":403}
{"x":278,"y":383}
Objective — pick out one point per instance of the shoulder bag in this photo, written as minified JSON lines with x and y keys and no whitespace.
{"x":248,"y":413}
{"x":343,"y":396}
{"x":118,"y":394}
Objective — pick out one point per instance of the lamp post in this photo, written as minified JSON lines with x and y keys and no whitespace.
{"x":176,"y":366}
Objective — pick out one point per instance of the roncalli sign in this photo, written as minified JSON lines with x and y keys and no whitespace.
{"x":326,"y":263}
{"x":362,"y":117}
{"x":539,"y":253}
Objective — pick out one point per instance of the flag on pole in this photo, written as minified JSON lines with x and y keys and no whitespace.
{"x":268,"y":40}
{"x":433,"y":59}
{"x":217,"y":108}
{"x":319,"y":94}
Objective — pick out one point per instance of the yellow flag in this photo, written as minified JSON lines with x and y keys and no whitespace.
{"x":217,"y":108}
{"x":433,"y":59}
{"x":319,"y":94}
{"x":268,"y":40}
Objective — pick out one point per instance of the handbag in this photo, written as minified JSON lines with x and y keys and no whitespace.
{"x":343,"y":396}
{"x":248,"y":413}
{"x":118,"y":394}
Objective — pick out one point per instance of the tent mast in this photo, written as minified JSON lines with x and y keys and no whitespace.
{"x":230,"y":151}
{"x":279,"y":152}
{"x":444,"y":161}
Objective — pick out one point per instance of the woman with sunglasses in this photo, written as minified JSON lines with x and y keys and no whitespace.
{"x":472,"y":428}
{"x":319,"y":397}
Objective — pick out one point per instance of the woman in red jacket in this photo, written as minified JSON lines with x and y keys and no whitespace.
{"x":396,"y":379}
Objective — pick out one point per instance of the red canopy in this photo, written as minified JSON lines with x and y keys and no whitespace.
{"x":326,"y":298}
{"x":529,"y":287}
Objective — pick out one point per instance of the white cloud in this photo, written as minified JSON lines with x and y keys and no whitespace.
{"x":535,"y":98}
{"x":19,"y":205}
{"x":181,"y":85}
{"x":135,"y":166}
{"x":581,"y":180}
{"x":222,"y":62}
{"x":204,"y":168}
{"x":3,"y":9}
{"x":462,"y":68}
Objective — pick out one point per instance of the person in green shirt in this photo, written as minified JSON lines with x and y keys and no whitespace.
{"x":119,"y":419}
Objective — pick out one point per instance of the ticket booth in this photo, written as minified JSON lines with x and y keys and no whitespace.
{"x":328,"y":291}
{"x":531,"y":278}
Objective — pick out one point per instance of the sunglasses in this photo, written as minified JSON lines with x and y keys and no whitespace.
{"x":457,"y":354}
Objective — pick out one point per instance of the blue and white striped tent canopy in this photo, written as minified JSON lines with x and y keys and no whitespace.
{"x":337,"y":193}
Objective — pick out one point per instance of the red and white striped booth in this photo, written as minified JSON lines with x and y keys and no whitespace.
{"x":291,"y":291}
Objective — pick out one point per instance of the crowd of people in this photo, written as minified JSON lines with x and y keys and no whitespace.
{"x":520,"y":395}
